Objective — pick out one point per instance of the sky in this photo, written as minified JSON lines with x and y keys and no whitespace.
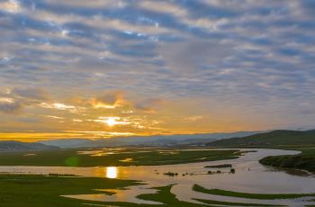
{"x":107,"y":68}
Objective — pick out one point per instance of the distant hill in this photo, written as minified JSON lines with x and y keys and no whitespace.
{"x":13,"y":146}
{"x":279,"y":138}
{"x":154,"y":141}
{"x":68,"y":143}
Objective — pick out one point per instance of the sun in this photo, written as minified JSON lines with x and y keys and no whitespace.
{"x":112,"y":121}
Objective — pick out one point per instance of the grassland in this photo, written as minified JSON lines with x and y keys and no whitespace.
{"x":47,"y":191}
{"x":201,"y":189}
{"x":108,"y":158}
{"x":165,"y":196}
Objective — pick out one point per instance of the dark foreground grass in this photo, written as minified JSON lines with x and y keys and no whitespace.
{"x":201,"y":189}
{"x":45,"y":191}
{"x":167,"y":199}
{"x":165,"y":196}
{"x":224,"y":203}
{"x":153,"y":157}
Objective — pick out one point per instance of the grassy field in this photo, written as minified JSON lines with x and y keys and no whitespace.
{"x":109,"y":158}
{"x":201,"y":189}
{"x":46,"y":191}
{"x":165,"y":196}
{"x":41,"y":191}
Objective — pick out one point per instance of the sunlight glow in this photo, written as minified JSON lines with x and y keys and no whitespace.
{"x":6,"y":100}
{"x":111,"y":172}
{"x":62,"y":106}
{"x":59,"y":106}
{"x":112,"y":121}
{"x":105,"y":106}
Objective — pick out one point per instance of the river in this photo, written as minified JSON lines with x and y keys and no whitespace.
{"x":249,"y":176}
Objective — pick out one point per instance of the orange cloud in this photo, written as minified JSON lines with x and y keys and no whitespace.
{"x":110,"y":100}
{"x":113,"y":121}
{"x":149,"y":105}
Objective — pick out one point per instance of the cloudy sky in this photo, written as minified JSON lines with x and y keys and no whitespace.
{"x":106,"y":68}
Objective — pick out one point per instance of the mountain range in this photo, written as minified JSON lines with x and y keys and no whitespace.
{"x":277,"y":138}
{"x":14,"y":146}
{"x":163,"y":140}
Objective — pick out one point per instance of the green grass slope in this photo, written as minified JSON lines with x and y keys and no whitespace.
{"x":274,"y":139}
{"x":303,"y":141}
{"x":303,"y":161}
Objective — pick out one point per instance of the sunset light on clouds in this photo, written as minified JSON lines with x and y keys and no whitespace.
{"x":112,"y":68}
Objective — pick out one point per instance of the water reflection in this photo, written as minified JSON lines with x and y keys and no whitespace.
{"x":112,"y":172}
{"x":258,"y":179}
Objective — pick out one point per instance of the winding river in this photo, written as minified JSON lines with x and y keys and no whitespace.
{"x":250,"y":176}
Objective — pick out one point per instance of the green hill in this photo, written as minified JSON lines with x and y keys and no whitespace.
{"x":303,"y":161}
{"x":274,"y":139}
{"x":303,"y":141}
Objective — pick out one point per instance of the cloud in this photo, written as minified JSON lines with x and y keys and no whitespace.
{"x":33,"y":94}
{"x":194,"y":118}
{"x":12,"y":6}
{"x":109,"y":100}
{"x":8,"y":105}
{"x":60,"y":107}
{"x":149,"y":105}
{"x":257,"y":55}
{"x":14,"y":100}
{"x":307,"y":7}
{"x":125,"y":103}
{"x":163,"y":6}
{"x":54,"y":117}
{"x":95,"y":4}
{"x":191,"y":55}
{"x":112,"y":121}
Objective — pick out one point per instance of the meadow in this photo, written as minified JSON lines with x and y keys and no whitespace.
{"x":47,"y":191}
{"x":122,"y":157}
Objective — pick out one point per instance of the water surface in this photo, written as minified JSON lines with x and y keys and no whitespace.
{"x":250,"y":176}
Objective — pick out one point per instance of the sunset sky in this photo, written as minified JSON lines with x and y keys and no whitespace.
{"x":104,"y":68}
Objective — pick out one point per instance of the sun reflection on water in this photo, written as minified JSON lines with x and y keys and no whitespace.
{"x":112,"y":172}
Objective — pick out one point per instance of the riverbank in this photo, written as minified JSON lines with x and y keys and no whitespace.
{"x":303,"y":161}
{"x":51,"y":191}
{"x":303,"y":141}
